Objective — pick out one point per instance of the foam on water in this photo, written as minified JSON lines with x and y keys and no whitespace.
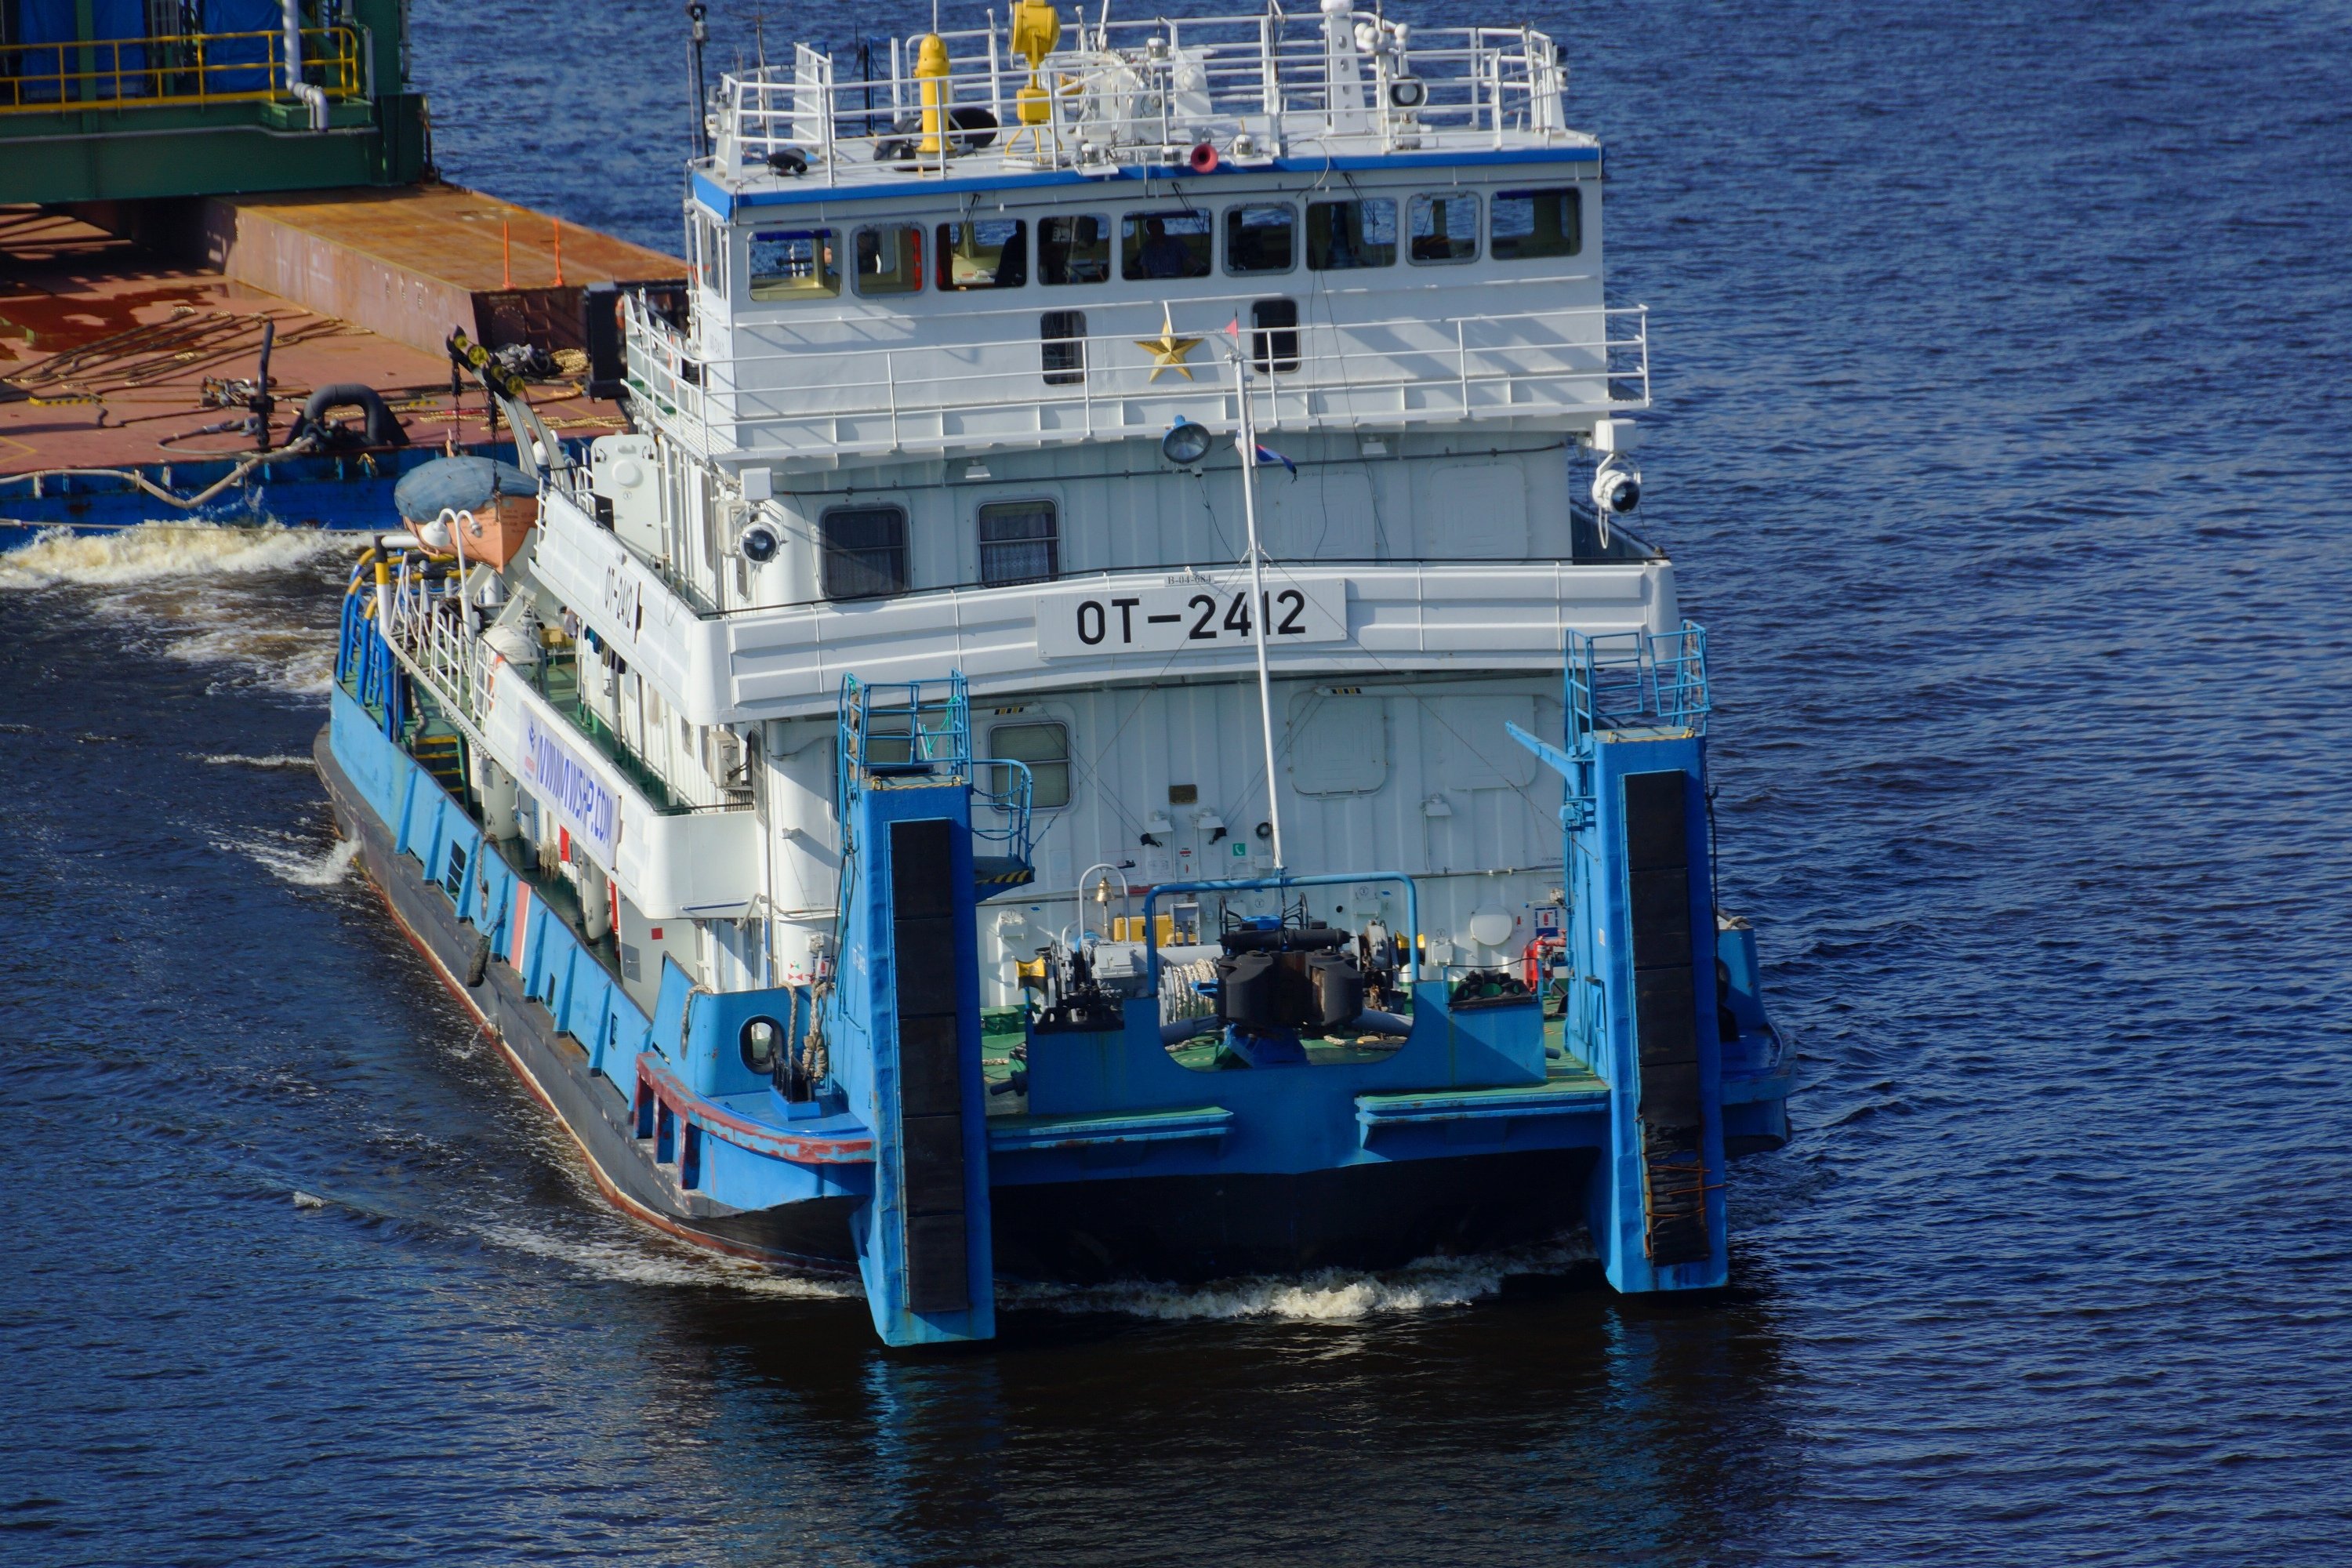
{"x":651,"y":1262}
{"x":164,"y":552}
{"x":291,"y":861}
{"x":203,"y":593}
{"x":1328,"y":1295}
{"x":240,"y":760}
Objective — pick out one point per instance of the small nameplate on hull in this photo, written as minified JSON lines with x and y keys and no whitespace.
{"x":1208,"y":613}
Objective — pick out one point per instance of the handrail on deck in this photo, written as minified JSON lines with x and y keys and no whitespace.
{"x":1158,"y":85}
{"x":175,"y":67}
{"x":1404,"y":370}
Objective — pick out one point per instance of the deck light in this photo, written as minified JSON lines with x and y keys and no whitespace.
{"x":1616,"y":485}
{"x":1186,"y":443}
{"x":758,"y":543}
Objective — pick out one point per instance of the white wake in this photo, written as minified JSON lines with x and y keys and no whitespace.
{"x":164,"y":552}
{"x":1331,"y":1294}
{"x":241,"y":760}
{"x":635,"y":1265}
{"x":294,"y":862}
{"x":203,"y":593}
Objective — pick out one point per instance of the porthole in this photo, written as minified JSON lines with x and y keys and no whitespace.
{"x":761,"y":1041}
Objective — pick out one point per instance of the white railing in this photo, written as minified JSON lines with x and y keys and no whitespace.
{"x":801,"y":399}
{"x":1134,"y":90}
{"x":663,"y":372}
{"x":427,"y":628}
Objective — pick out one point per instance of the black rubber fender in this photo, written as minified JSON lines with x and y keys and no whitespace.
{"x":479,"y":966}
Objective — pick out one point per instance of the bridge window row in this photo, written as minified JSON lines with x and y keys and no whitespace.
{"x":1260,"y":238}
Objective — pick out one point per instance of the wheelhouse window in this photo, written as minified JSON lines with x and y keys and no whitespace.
{"x":1343,"y":236}
{"x":1019,"y":542}
{"x":1261,"y":238}
{"x":984,"y":253}
{"x":1273,"y":335}
{"x":864,"y":551}
{"x":1074,"y":250}
{"x":710,"y":254}
{"x":890,"y":259}
{"x":1063,"y":338}
{"x":1444,"y":229}
{"x":1532,"y":224}
{"x":794,"y":263}
{"x":1047,"y":749}
{"x":1160,"y":244}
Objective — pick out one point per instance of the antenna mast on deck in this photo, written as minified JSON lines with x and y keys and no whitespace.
{"x":1257,"y":586}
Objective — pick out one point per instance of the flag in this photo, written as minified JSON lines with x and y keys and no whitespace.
{"x":1268,"y":455}
{"x":1234,"y":328}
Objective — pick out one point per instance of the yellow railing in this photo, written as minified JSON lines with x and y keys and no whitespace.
{"x":190,"y":67}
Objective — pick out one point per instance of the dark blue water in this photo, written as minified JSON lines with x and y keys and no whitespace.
{"x":2004,"y":356}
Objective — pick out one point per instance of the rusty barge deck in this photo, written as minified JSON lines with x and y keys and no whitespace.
{"x":124,"y":326}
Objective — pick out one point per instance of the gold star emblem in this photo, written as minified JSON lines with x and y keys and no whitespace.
{"x":1167,"y":350}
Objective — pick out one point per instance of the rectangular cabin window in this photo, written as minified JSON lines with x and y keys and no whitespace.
{"x":1047,"y":749}
{"x":1444,"y":229}
{"x":1531,"y":223}
{"x":865,"y":552}
{"x":1273,"y":335}
{"x":984,"y":253}
{"x":1074,"y":250}
{"x":1261,"y":238}
{"x":1172,"y":244}
{"x":794,"y":263}
{"x":1019,"y":542}
{"x":711,"y":255}
{"x":1343,"y":236}
{"x":890,"y":259}
{"x":1063,"y":338}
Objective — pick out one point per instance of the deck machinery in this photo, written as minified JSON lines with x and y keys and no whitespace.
{"x":1107,"y":720}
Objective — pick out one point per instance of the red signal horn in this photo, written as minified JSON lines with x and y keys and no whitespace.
{"x":1203,"y":159}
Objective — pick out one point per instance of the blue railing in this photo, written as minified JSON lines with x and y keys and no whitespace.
{"x":1625,"y":681}
{"x":1654,"y":681}
{"x":1007,"y":793}
{"x":919,"y":732}
{"x":366,"y":668}
{"x":902,"y":730}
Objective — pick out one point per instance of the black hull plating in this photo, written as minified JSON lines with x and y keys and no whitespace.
{"x":1189,"y":1229}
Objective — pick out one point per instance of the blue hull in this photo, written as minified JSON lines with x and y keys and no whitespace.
{"x":349,"y":491}
{"x":1126,"y":1163}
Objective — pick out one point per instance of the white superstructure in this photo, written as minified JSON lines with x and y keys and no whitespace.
{"x":911,"y":417}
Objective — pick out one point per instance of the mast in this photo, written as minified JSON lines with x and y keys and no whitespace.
{"x":1257,"y":592}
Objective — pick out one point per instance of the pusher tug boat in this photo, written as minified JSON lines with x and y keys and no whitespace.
{"x":1105,"y":721}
